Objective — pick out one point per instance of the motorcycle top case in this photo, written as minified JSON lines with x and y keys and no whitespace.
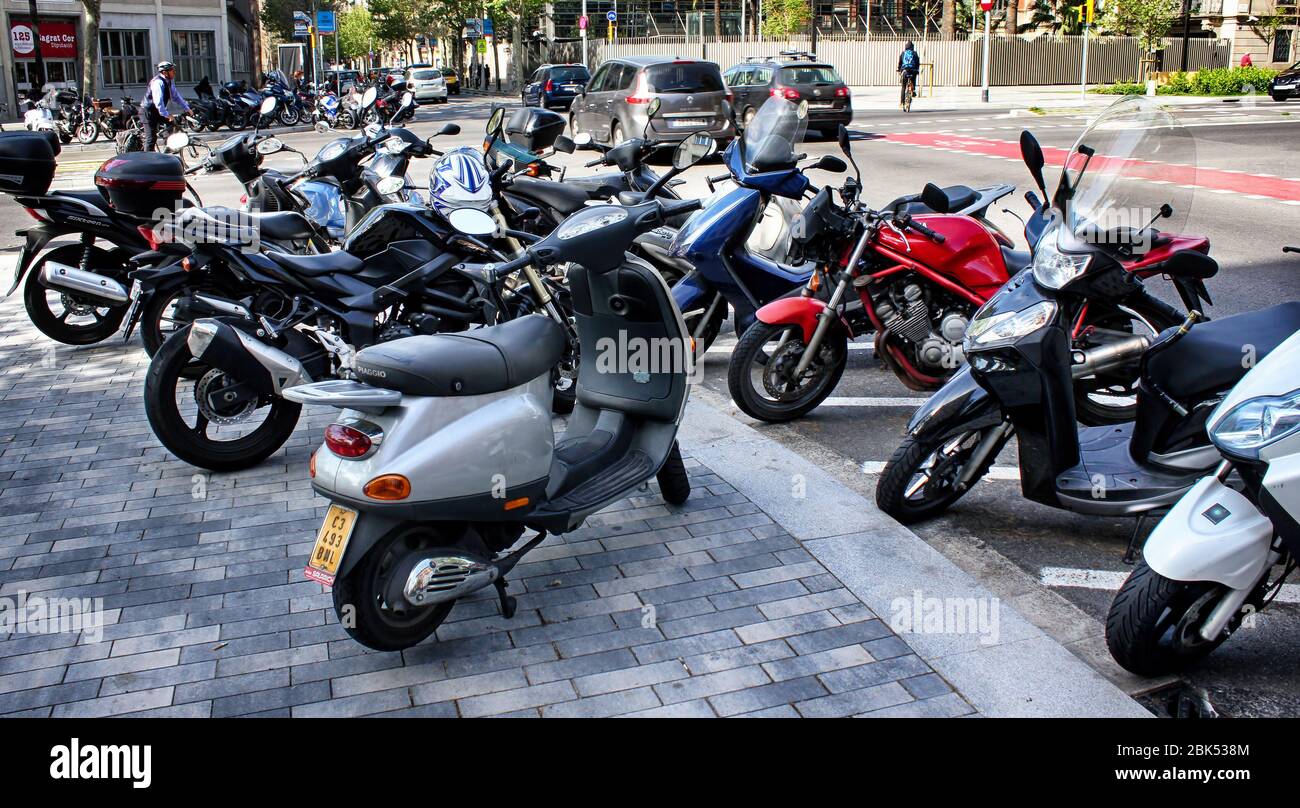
{"x":26,"y":162}
{"x":534,"y":128}
{"x":138,"y":184}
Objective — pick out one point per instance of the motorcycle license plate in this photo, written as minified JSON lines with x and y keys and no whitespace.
{"x":331,"y":542}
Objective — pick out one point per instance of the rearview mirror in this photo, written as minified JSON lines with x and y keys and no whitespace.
{"x":843,"y":137}
{"x":693,"y":149}
{"x":390,"y":185}
{"x":368,"y":97}
{"x":408,"y":98}
{"x":177,"y":141}
{"x":472,"y":222}
{"x":582,"y":140}
{"x":933,"y":197}
{"x":449,"y":129}
{"x":563,"y":144}
{"x":268,"y":105}
{"x":494,"y":122}
{"x":829,"y":162}
{"x":270,"y":146}
{"x":1032,"y":154}
{"x":653,"y":109}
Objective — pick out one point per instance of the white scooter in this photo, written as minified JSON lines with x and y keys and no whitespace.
{"x":1210,"y":562}
{"x":446,"y":455}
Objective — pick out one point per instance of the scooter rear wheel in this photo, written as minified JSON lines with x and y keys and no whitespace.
{"x":63,"y":316}
{"x":218,"y":438}
{"x":1153,"y":628}
{"x":360,"y":603}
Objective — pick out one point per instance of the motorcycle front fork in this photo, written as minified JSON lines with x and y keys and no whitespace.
{"x":832,"y":308}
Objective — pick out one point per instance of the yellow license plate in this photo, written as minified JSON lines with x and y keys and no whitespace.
{"x":331,"y":542}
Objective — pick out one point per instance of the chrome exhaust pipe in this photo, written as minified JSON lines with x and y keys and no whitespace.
{"x":444,"y":578}
{"x":80,"y":281}
{"x":1109,"y":356}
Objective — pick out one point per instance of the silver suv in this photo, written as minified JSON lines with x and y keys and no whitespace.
{"x":691,"y":93}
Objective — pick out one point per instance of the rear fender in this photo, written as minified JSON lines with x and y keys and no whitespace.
{"x":37,"y":238}
{"x":961,"y":404}
{"x":366,"y":532}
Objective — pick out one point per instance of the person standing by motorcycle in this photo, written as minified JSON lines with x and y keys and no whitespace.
{"x":161,"y":92}
{"x":909,"y":66}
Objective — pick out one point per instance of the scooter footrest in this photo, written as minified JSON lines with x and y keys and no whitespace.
{"x":624,"y":473}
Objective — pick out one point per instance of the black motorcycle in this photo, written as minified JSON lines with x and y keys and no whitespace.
{"x":207,"y":110}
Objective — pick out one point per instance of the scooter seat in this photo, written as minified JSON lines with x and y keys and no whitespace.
{"x":555,"y":195}
{"x":1209,"y":358}
{"x":91,"y":197}
{"x":474,"y":362}
{"x":313,"y":265}
{"x":285,"y":225}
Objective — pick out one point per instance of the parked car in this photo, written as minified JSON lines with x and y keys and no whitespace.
{"x":555,"y":86}
{"x":691,"y":94}
{"x":1285,"y":84}
{"x":347,"y":79}
{"x":796,"y":75}
{"x":453,"y":81}
{"x":427,"y":83}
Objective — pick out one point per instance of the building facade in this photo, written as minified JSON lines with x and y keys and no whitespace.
{"x":211,"y":38}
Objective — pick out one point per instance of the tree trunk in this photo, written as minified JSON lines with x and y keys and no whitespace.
{"x":1013,"y":17}
{"x":39,"y":82}
{"x":90,"y":50}
{"x":717,"y":18}
{"x":948,"y":20}
{"x":255,"y":37}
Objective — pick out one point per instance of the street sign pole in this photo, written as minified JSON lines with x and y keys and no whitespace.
{"x":1083,"y":77}
{"x":583,"y":26}
{"x":984,"y":93}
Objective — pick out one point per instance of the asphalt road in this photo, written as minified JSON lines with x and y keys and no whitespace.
{"x":1256,"y":673}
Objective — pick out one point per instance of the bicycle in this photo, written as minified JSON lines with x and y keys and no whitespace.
{"x":909,"y":90}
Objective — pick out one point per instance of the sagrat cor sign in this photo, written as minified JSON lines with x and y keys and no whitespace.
{"x":58,"y":40}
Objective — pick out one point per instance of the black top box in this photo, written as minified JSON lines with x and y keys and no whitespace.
{"x":534,"y":128}
{"x":138,"y":184}
{"x":27,"y":162}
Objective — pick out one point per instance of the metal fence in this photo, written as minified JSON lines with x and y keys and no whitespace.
{"x":873,"y":61}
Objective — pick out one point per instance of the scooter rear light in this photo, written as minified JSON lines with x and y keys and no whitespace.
{"x":516,"y":503}
{"x":389,"y":487}
{"x":150,"y":236}
{"x":346,"y":441}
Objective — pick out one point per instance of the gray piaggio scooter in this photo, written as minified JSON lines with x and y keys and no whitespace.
{"x":446,"y":455}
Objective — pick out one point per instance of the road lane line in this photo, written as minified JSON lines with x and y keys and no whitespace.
{"x":873,"y":401}
{"x":1112,"y":581}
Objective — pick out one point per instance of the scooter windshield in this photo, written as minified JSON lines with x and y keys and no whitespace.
{"x":1132,"y":161}
{"x":770,"y":138}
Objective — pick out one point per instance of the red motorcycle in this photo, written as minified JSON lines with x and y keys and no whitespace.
{"x":916,"y":281}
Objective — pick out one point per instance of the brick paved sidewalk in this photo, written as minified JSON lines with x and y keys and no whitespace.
{"x":709,"y":609}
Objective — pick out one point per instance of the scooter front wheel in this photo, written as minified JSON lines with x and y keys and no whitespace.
{"x":921,"y":479}
{"x":760,"y":375}
{"x":87,"y":133}
{"x":1154,"y":624}
{"x":185,"y":403}
{"x":362,"y":605}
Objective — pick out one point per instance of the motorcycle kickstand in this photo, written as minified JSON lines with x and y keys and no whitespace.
{"x":1130,"y":555}
{"x":508,"y":603}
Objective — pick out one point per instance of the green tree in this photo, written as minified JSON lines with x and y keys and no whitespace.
{"x":1148,"y":20}
{"x":355,"y":32}
{"x":90,"y":50}
{"x":781,"y":18}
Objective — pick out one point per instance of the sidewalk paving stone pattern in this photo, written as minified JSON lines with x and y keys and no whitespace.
{"x":706,"y":610}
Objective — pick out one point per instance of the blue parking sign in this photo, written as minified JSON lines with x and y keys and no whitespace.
{"x":324,"y":22}
{"x":612,"y":16}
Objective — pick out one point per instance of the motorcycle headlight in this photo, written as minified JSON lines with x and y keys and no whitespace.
{"x":1053,"y":268}
{"x":1257,"y":422}
{"x":1005,"y":328}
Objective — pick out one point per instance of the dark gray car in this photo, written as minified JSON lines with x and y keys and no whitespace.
{"x":797,"y":76}
{"x":691,"y":94}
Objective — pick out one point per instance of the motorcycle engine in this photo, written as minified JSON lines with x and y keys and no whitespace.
{"x":932,"y":329}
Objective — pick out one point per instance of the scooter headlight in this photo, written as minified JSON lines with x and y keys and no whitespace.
{"x":1257,"y":422}
{"x":1053,"y":268}
{"x":1002,"y":329}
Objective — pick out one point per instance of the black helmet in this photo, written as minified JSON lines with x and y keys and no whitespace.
{"x":908,"y":46}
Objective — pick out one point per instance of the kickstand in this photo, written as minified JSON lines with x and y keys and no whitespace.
{"x":1130,"y":555}
{"x":508,"y":603}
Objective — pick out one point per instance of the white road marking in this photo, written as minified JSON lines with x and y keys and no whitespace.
{"x":873,"y":401}
{"x":994,"y":472}
{"x":1112,"y":581}
{"x":728,"y":347}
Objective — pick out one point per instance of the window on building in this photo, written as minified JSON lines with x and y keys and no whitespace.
{"x":194,"y":54}
{"x":124,"y":57}
{"x":1282,"y":45}
{"x":238,"y":52}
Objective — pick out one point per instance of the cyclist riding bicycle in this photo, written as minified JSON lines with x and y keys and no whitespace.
{"x":909,"y":65}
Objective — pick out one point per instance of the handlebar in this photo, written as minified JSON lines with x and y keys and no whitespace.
{"x":907,"y":221}
{"x":599,"y":161}
{"x":1291,"y":249}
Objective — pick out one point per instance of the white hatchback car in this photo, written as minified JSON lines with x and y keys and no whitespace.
{"x":427,"y":83}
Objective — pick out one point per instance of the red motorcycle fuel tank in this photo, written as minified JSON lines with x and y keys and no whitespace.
{"x":968,"y":256}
